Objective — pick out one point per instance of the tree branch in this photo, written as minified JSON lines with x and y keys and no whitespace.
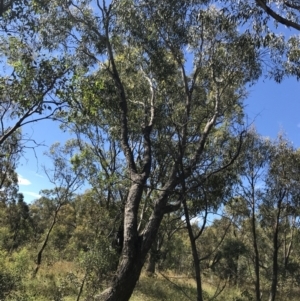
{"x":277,"y":17}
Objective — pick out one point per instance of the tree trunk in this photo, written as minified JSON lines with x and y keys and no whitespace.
{"x":197,"y":270}
{"x":150,"y":268}
{"x":194,"y":252}
{"x":257,"y":274}
{"x":132,"y":258}
{"x":40,"y":253}
{"x":125,"y":280}
{"x":288,"y":246}
{"x":256,"y":252}
{"x":275,"y":255}
{"x":275,"y":268}
{"x":135,"y":246}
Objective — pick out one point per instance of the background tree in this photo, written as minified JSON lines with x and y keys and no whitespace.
{"x":65,"y":184}
{"x":281,"y":194}
{"x":256,"y":158}
{"x":9,"y":155}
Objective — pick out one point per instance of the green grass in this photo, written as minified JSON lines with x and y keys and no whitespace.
{"x":60,"y":281}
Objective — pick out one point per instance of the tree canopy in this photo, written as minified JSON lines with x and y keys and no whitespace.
{"x":153,"y":92}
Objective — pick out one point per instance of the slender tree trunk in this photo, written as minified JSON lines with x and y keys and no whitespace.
{"x":288,"y":246}
{"x":256,"y":263}
{"x":197,"y":269}
{"x":40,"y":253}
{"x":275,"y":255}
{"x":275,"y":267}
{"x":194,"y":252}
{"x":255,"y":247}
{"x":150,"y":268}
{"x":81,"y":287}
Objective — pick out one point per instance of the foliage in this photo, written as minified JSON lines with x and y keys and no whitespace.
{"x":153,"y":92}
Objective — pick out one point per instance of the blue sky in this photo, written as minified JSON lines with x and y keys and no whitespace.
{"x":275,"y":107}
{"x":271,"y":107}
{"x":32,"y":178}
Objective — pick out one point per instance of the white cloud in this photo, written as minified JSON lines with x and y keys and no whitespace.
{"x":23,"y":181}
{"x":35,"y":195}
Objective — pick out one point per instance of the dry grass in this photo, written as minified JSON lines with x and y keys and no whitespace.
{"x":61,"y":281}
{"x":166,"y":287}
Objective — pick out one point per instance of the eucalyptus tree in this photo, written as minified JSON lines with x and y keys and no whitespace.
{"x":282,"y":194}
{"x":268,"y":189}
{"x":158,"y":82}
{"x":206,"y":192}
{"x":255,"y":161}
{"x":30,"y":78}
{"x":283,"y":12}
{"x":31,"y":75}
{"x":273,"y":25}
{"x":162,"y":80}
{"x":65,"y":182}
{"x":10,"y":153}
